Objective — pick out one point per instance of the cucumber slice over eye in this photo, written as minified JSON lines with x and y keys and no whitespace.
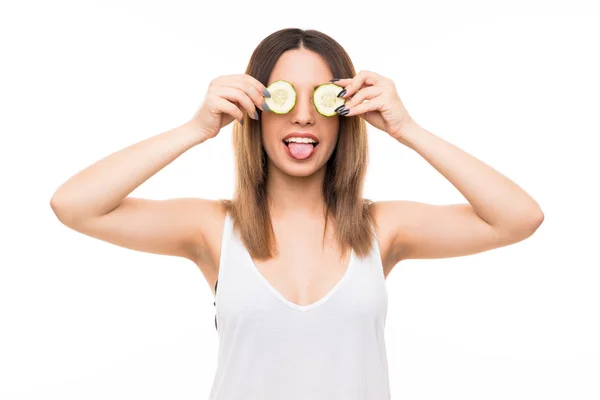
{"x":283,"y":97}
{"x":325,"y":99}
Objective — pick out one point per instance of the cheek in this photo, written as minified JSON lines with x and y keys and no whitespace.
{"x":332,"y":126}
{"x":335,"y":123}
{"x":271,"y":130}
{"x":270,"y":122}
{"x":332,"y":123}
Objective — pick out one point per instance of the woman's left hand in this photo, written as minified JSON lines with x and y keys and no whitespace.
{"x":383,"y":108}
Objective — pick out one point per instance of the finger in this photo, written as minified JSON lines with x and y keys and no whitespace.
{"x":365,"y":93}
{"x":372,"y":105}
{"x":239,"y":96}
{"x":363,"y":78}
{"x":243,"y":81}
{"x":246,"y":83}
{"x":341,"y":81}
{"x":226,"y":107}
{"x":253,"y":88}
{"x":260,"y":88}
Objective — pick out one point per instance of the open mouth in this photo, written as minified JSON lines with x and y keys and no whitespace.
{"x":300,"y":151}
{"x":315,"y":144}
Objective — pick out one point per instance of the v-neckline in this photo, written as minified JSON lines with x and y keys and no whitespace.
{"x":293,"y":305}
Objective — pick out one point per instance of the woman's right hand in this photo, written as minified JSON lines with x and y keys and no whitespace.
{"x":227,"y":98}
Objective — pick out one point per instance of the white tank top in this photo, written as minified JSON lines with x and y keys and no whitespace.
{"x":273,"y":349}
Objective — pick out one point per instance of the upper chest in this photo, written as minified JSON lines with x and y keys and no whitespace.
{"x":307,"y":264}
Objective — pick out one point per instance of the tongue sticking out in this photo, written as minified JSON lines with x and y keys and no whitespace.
{"x":300,"y":151}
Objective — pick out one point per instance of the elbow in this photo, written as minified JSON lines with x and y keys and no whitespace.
{"x":57,"y":209}
{"x":540,"y":218}
{"x":530,"y":224}
{"x":522,"y":227}
{"x":538,"y":221}
{"x":60,"y":209}
{"x":537,"y":217}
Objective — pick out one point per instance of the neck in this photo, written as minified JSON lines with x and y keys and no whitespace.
{"x":300,"y":196}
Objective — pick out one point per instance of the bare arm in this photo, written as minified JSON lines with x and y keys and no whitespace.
{"x":94,"y":201}
{"x":100,"y":188}
{"x":498,"y":212}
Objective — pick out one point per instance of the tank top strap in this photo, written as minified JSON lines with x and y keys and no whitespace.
{"x":226,"y":237}
{"x":369,"y":277}
{"x":232,"y":260}
{"x":376,"y":253}
{"x":225,"y":246}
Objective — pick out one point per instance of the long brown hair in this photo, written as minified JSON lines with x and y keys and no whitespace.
{"x":345,"y":169}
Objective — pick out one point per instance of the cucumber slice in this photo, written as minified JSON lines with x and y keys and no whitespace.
{"x":283,"y":97}
{"x":325,"y":99}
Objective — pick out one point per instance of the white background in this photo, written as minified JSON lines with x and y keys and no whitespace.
{"x":516,"y":84}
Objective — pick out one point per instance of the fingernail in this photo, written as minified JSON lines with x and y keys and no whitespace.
{"x":343,"y":92}
{"x":345,"y":112}
{"x":265,"y":107}
{"x":334,"y":80}
{"x":339,"y":108}
{"x":242,"y":121}
{"x":255,"y":115}
{"x":266,"y":93}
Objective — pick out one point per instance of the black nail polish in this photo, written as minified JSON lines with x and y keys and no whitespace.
{"x":256,"y":115}
{"x":266,"y":93}
{"x":340,"y":109}
{"x":343,"y":92}
{"x":334,"y":80}
{"x":345,"y":112}
{"x":242,"y":121}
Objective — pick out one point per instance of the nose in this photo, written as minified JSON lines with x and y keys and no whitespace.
{"x":304,"y":112}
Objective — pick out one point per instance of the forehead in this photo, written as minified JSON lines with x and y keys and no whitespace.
{"x":302,"y":68}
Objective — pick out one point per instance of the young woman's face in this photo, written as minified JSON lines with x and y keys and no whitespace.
{"x":305,"y":70}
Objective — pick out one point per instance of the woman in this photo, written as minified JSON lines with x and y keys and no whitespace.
{"x":300,"y":258}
